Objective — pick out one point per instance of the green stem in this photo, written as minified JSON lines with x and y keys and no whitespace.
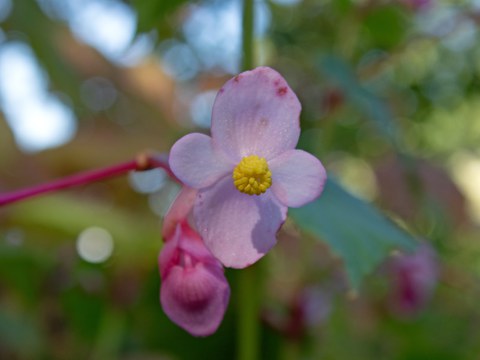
{"x":291,"y":350}
{"x":247,"y":35}
{"x":249,"y":280}
{"x":249,"y":295}
{"x":110,"y":335}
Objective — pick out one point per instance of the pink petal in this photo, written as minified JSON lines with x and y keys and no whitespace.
{"x":168,"y":256}
{"x":196,"y":163}
{"x":178,"y":211}
{"x":256,"y":113}
{"x":190,"y":242}
{"x":297,"y":178}
{"x":184,"y":239}
{"x":237,"y":228}
{"x":195,"y":298}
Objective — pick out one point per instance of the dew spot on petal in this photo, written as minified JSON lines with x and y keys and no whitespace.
{"x":282,"y":91}
{"x":263,"y":123}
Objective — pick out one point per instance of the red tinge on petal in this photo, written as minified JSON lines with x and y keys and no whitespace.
{"x":255,"y":113}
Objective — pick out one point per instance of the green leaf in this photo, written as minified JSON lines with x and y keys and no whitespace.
{"x":136,"y":237}
{"x":19,"y":332}
{"x":22,"y":269}
{"x":153,"y":14}
{"x":84,"y":311}
{"x":373,"y":107}
{"x":354,"y":229}
{"x":386,"y":26}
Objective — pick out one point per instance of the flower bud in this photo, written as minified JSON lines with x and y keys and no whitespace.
{"x":414,"y":279}
{"x":194,"y":292}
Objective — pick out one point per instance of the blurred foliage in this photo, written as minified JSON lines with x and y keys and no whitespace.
{"x":390,"y":100}
{"x":367,"y":239}
{"x":155,"y":15}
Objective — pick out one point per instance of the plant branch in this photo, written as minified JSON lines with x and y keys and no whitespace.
{"x":142,"y":162}
{"x":249,"y":281}
{"x":248,"y":20}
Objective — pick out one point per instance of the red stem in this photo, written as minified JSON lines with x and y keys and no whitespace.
{"x":141,"y":163}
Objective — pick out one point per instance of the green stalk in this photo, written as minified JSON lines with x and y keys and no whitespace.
{"x":249,"y":295}
{"x":249,"y":280}
{"x":248,"y":19}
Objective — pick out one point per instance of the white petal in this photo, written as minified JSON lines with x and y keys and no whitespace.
{"x":256,"y":113}
{"x":195,"y":161}
{"x":237,"y":228}
{"x":297,"y":178}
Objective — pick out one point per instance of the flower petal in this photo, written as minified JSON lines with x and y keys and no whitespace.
{"x":297,"y":177}
{"x":196,"y":163}
{"x":184,"y":239}
{"x":237,"y":228}
{"x":178,"y":211}
{"x":195,"y":298}
{"x":256,"y":113}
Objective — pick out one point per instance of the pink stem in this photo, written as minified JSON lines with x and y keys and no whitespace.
{"x":141,"y":163}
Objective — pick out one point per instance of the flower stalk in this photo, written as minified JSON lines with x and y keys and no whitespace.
{"x":248,"y":21}
{"x":249,"y":301}
{"x":142,"y":162}
{"x":248,"y":342}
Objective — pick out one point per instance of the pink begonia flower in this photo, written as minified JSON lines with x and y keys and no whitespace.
{"x":194,"y":292}
{"x":249,"y":171}
{"x":414,"y":279}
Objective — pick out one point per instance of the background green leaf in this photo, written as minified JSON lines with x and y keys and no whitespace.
{"x":354,"y":229}
{"x":154,"y":14}
{"x":373,"y":108}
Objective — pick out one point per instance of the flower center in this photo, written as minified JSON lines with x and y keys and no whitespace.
{"x":252,"y":175}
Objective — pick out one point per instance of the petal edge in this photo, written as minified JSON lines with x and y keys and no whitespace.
{"x":237,"y":228}
{"x":297,"y":178}
{"x":256,"y":113}
{"x":196,"y":163}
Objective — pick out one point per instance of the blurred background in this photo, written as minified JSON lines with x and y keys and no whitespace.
{"x":391,"y":105}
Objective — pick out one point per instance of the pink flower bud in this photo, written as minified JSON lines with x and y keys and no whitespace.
{"x":414,"y":279}
{"x":194,"y":292}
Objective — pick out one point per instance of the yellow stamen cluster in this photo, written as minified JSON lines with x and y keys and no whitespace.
{"x":252,"y":175}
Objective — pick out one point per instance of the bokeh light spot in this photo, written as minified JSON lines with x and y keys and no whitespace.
{"x":147,"y":182}
{"x":5,"y":9}
{"x":201,"y":108}
{"x":95,"y":245}
{"x":98,"y":93}
{"x":466,"y":173}
{"x":38,"y":119}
